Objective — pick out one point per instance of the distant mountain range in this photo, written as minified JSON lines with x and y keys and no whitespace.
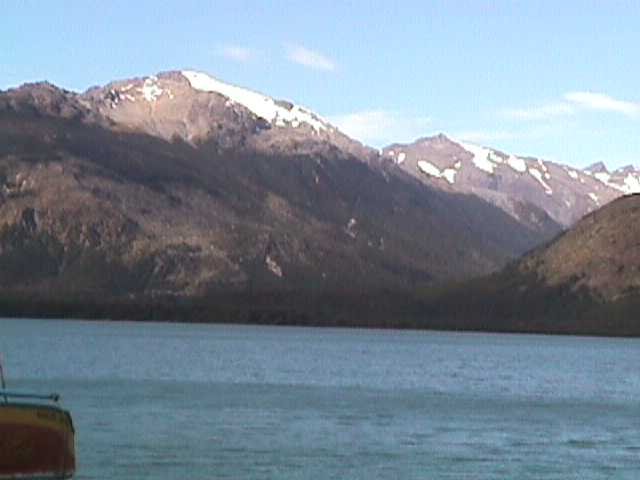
{"x":181,"y":188}
{"x":565,"y":193}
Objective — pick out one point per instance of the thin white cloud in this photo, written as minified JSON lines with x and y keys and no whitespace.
{"x":603,"y":102}
{"x":236,"y":53}
{"x":540,"y":112}
{"x":379,"y":128}
{"x":572,"y":104}
{"x":309,"y":58}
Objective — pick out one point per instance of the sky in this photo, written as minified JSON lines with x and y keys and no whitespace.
{"x":552,"y":79}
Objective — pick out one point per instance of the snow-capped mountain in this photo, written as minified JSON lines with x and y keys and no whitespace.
{"x":196,"y":107}
{"x":181,"y":185}
{"x":280,"y":114}
{"x":624,"y":179}
{"x":177,"y":187}
{"x":565,"y":193}
{"x":153,"y":91}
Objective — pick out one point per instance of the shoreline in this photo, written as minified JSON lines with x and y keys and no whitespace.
{"x":287,"y":316}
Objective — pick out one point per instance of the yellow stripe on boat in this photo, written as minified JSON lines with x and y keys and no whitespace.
{"x":36,"y":416}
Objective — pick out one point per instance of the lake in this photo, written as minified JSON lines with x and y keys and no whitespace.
{"x":180,"y":401}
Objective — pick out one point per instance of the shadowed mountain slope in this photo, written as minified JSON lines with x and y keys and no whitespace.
{"x":113,"y":196}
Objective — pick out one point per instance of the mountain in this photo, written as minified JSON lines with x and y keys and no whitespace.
{"x":587,"y":281}
{"x":524,"y":187}
{"x":179,"y":186}
{"x":598,"y":167}
{"x":194,"y":107}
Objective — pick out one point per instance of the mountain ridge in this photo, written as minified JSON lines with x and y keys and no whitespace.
{"x":179,"y":192}
{"x":566,"y":194}
{"x":150,"y":193}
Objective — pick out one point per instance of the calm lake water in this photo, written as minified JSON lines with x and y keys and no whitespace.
{"x":175,"y":401}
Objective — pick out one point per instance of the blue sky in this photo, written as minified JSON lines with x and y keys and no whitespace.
{"x":558,"y":80}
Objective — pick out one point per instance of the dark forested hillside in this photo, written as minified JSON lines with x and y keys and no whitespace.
{"x":586,"y":281}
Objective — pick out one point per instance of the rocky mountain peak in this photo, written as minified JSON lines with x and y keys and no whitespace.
{"x":563,"y":192}
{"x":439,"y":138}
{"x":176,"y":88}
{"x":45,"y":99}
{"x":196,"y":107}
{"x":279,"y":113}
{"x":625,"y":170}
{"x":598,"y":167}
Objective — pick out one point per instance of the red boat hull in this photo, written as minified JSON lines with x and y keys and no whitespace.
{"x":35,"y":442}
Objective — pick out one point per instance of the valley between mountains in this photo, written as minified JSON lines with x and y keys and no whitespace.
{"x":180,"y":197}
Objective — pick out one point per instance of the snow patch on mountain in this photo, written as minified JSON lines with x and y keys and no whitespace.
{"x":261,"y":105}
{"x":483,"y":158}
{"x":449,"y":174}
{"x":627,"y":185}
{"x":150,"y":89}
{"x":350,"y":229}
{"x":572,"y":173}
{"x":273,"y":266}
{"x":537,"y":174}
{"x":603,"y":177}
{"x":542,"y":166}
{"x":517,"y":164}
{"x":429,"y":168}
{"x":632,"y":183}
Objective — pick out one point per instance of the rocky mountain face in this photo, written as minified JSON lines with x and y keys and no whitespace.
{"x":586,"y":281}
{"x":529,"y":189}
{"x":180,"y":186}
{"x":195,"y":108}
